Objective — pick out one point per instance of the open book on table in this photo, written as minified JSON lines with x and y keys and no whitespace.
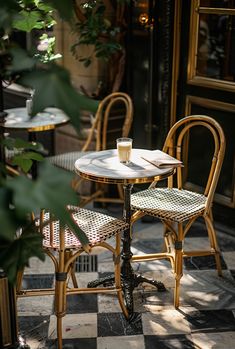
{"x":162,"y":160}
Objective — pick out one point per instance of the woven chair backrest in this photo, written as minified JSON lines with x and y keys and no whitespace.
{"x":113,"y":119}
{"x":177,"y":144}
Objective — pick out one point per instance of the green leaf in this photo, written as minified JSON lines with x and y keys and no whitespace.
{"x":34,"y":156}
{"x":15,"y":255}
{"x":52,"y":190}
{"x":19,"y":143}
{"x":24,"y":164}
{"x":25,"y":160}
{"x":28,"y":20}
{"x":53,"y":88}
{"x":21,"y":60}
{"x":9,"y":221}
{"x":44,"y":7}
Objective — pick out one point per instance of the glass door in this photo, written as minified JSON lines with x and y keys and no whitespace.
{"x":206,"y":85}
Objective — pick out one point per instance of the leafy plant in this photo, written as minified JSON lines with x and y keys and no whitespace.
{"x":24,"y":153}
{"x":19,"y":196}
{"x":96,"y":30}
{"x":104,"y":35}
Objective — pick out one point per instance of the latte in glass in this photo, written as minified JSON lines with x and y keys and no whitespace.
{"x":124,"y":146}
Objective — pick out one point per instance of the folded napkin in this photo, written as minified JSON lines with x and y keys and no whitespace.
{"x":162,"y":160}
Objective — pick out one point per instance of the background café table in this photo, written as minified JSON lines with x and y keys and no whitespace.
{"x":18,"y":119}
{"x":104,"y":167}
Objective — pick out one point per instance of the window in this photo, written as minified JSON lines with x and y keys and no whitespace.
{"x":212,"y":48}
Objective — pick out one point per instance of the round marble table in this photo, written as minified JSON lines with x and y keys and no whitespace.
{"x":104,"y":167}
{"x":18,"y":119}
{"x":48,"y":120}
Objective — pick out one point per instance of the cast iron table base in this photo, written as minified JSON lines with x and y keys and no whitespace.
{"x":130,"y":280}
{"x":128,"y":286}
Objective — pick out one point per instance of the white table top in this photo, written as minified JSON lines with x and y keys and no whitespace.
{"x":104,"y":167}
{"x":18,"y":118}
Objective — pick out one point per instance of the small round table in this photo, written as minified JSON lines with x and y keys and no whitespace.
{"x":104,"y":167}
{"x":48,"y":120}
{"x":18,"y":119}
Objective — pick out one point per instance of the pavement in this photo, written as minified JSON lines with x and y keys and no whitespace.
{"x":204,"y":320}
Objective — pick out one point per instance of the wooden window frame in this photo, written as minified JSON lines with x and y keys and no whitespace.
{"x":212,"y":104}
{"x":192,"y":78}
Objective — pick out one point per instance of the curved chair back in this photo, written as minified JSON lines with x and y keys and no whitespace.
{"x":113,"y":119}
{"x":176,"y":145}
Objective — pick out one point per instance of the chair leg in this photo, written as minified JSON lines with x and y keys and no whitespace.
{"x":169,"y":244}
{"x":213,"y":242}
{"x":61,"y":277}
{"x":19,"y":279}
{"x":178,"y":264}
{"x":68,"y":255}
{"x":86,"y":200}
{"x":73,"y":276}
{"x":59,"y":332}
{"x":76,"y":181}
{"x":165,"y":237}
{"x":117,"y":276}
{"x":122,"y":303}
{"x":170,"y":248}
{"x":120,"y":191}
{"x":60,"y":309}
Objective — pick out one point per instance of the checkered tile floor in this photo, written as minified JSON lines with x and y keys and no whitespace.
{"x":205,"y":319}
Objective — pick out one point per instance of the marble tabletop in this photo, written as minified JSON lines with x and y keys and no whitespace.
{"x":18,"y":118}
{"x":104,"y":167}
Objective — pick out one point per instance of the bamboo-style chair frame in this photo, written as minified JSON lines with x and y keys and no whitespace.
{"x":62,"y":246}
{"x":178,"y":208}
{"x":99,"y":131}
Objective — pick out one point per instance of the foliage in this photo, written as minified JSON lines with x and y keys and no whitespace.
{"x":24,"y":153}
{"x":96,"y":30}
{"x":33,"y":15}
{"x":19,"y":196}
{"x":46,"y":49}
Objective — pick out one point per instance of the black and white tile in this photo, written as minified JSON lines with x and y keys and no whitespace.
{"x":205,"y":319}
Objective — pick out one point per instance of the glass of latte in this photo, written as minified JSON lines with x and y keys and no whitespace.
{"x":124,"y":146}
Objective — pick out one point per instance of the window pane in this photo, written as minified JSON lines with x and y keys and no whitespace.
{"x":218,"y":3}
{"x":199,"y":167}
{"x":216,"y":47}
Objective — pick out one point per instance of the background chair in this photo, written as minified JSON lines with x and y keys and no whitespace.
{"x":63,"y":248}
{"x":177,"y":207}
{"x":113,"y":119}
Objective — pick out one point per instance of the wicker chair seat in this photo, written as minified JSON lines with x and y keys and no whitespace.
{"x":97,"y":226}
{"x":172,"y":204}
{"x":66,"y":160}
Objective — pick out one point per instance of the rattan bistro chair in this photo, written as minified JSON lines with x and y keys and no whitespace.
{"x":113,"y":119}
{"x":62,"y":246}
{"x":177,"y":207}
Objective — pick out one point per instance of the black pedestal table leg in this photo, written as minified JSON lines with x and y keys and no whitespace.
{"x":128,"y":277}
{"x":126,"y":269}
{"x":130,"y":280}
